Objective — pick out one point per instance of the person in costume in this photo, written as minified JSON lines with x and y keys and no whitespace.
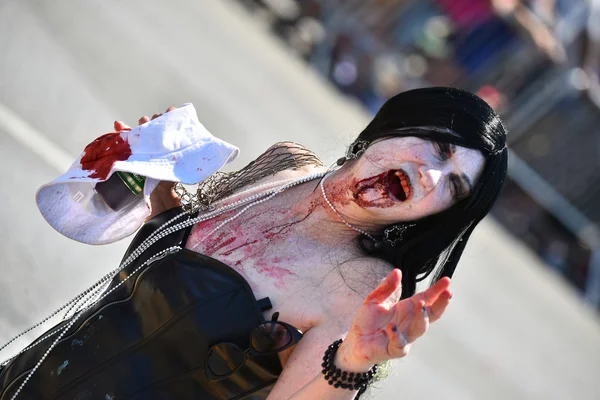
{"x":284,"y":280}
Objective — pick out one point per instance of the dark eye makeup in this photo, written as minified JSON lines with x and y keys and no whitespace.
{"x":461,"y":187}
{"x":445,"y":150}
{"x":458,"y":188}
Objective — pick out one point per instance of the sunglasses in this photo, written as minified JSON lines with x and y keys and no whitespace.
{"x":267,"y":338}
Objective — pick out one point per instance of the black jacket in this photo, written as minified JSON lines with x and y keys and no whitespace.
{"x":149,"y":337}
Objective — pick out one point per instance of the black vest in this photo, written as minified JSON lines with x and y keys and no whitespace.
{"x":148,"y":339}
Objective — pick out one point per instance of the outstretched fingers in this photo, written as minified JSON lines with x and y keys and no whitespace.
{"x":437,"y":309}
{"x":420,"y":323}
{"x":386,"y":288}
{"x":430,"y":295}
{"x":121,"y":126}
{"x":145,"y":118}
{"x":398,"y":345}
{"x":402,"y":336}
{"x":406,"y":327}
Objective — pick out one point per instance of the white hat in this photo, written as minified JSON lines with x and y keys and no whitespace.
{"x":173,"y":147}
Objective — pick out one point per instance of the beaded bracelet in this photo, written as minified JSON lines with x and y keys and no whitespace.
{"x":343,"y":379}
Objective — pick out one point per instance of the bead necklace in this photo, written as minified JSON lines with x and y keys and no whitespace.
{"x":95,"y":293}
{"x":339,"y":215}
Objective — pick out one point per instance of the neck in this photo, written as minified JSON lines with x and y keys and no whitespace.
{"x":322,"y":214}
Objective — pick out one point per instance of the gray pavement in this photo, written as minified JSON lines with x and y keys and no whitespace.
{"x":69,"y":68}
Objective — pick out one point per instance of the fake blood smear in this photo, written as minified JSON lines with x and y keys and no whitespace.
{"x":277,"y":274}
{"x":102,"y":153}
{"x":372,"y":192}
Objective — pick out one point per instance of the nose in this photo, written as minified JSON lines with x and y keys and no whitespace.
{"x":429,"y":176}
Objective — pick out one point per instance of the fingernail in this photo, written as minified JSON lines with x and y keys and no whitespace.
{"x":395,"y":328}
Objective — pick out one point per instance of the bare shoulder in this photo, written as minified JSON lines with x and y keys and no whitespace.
{"x":341,"y":293}
{"x":288,"y":156}
{"x":290,"y":148}
{"x":351,"y":284}
{"x":285,"y":160}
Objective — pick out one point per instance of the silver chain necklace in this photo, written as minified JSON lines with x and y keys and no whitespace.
{"x":339,"y":215}
{"x":95,"y":293}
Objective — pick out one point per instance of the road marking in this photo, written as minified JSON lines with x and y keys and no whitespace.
{"x":34,"y":140}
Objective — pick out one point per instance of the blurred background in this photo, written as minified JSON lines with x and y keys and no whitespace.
{"x":524,"y":324}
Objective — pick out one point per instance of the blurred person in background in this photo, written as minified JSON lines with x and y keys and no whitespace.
{"x":486,"y":38}
{"x":475,"y":44}
{"x":315,"y":240}
{"x":538,"y":30}
{"x":590,"y":58}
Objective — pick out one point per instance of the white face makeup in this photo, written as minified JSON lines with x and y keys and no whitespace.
{"x":403,"y":179}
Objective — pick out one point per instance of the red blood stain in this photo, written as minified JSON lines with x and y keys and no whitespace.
{"x":249,"y":249}
{"x":283,"y":229}
{"x":213,"y":241}
{"x":375,"y":185}
{"x":218,"y":243}
{"x":200,"y":230}
{"x":228,"y":242}
{"x":221,"y":245}
{"x":241,"y":268}
{"x":278,"y":274}
{"x":102,"y":153}
{"x":338,"y":194}
{"x":227,"y":253}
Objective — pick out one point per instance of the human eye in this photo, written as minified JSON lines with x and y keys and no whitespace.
{"x":459,"y":192}
{"x":444,"y":150}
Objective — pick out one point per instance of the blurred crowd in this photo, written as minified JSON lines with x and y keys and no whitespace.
{"x":373,"y":48}
{"x":536,"y":62}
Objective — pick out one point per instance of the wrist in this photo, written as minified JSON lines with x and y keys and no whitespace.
{"x":346,"y":359}
{"x":343,"y":378}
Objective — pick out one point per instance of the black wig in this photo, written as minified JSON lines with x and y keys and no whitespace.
{"x":451,"y":116}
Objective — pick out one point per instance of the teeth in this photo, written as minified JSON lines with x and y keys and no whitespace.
{"x":404,"y":181}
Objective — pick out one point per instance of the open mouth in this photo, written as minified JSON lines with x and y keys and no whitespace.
{"x":398,"y":184}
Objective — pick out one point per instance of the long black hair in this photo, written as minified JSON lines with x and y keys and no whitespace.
{"x":445,"y":115}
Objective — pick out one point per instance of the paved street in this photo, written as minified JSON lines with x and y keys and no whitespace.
{"x":68,"y":69}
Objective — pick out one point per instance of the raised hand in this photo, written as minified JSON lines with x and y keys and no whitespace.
{"x":163,"y":197}
{"x":120,"y":126}
{"x":384,"y":329}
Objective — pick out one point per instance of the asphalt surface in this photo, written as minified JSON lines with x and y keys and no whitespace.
{"x":68,"y":69}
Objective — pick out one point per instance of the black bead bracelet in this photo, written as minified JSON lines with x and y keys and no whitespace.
{"x":343,"y":379}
